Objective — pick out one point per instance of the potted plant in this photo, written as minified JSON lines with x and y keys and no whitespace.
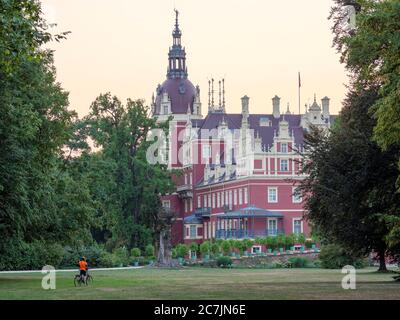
{"x":215,"y":248}
{"x":193,"y":250}
{"x":135,"y":253}
{"x":181,"y":251}
{"x":149,"y":251}
{"x":205,"y":248}
{"x":281,"y":239}
{"x":247,"y":244}
{"x":226,"y":247}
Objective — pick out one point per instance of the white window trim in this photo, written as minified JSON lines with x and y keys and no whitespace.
{"x":168,"y":202}
{"x":294,"y":197}
{"x":287,"y":165}
{"x":254,"y":247}
{"x":301,"y":224}
{"x":276,"y":193}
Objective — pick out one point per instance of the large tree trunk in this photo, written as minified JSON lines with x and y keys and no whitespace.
{"x":382,"y":262}
{"x":165,"y":250}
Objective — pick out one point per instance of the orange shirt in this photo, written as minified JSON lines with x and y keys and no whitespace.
{"x":82,"y":265}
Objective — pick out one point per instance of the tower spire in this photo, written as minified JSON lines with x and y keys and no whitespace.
{"x":177,"y":56}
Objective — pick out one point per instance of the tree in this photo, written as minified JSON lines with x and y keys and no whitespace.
{"x":351,"y":181}
{"x":371,"y":55}
{"x":121,"y":131}
{"x":35,"y":124}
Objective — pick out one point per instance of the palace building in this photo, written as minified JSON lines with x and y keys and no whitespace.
{"x":239,"y":171}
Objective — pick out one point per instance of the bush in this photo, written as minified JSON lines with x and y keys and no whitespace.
{"x":215,"y":248}
{"x":120,"y":257}
{"x":149,"y":250}
{"x":226,"y":247}
{"x":308,"y":244}
{"x":298,"y":262}
{"x":182,"y":250}
{"x":335,"y":257}
{"x":106,"y":260}
{"x":135,"y":252}
{"x":271,"y":242}
{"x":205,"y":247}
{"x":224,"y":262}
{"x":93,"y":255}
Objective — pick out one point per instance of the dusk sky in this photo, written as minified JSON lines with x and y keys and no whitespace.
{"x":258,"y":46}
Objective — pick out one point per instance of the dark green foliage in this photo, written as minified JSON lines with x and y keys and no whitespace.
{"x":224,"y":262}
{"x":351,"y":181}
{"x":335,"y":257}
{"x":298,"y":262}
{"x":149,"y":250}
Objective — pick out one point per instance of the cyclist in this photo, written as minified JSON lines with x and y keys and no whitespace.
{"x":83,"y":267}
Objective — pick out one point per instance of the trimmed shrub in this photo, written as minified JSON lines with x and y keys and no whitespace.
{"x":205,"y":248}
{"x":106,"y":260}
{"x":215,"y":248}
{"x":226,"y":247}
{"x":182,"y":250}
{"x":120,"y":257}
{"x":335,"y":257}
{"x":224,"y":262}
{"x":149,"y":250}
{"x":135,"y":252}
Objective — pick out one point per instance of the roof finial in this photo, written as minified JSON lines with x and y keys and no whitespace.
{"x":209,"y":93}
{"x":176,"y":18}
{"x":315,"y":97}
{"x":219,"y":92}
{"x":212,"y":91}
{"x":223,"y":93}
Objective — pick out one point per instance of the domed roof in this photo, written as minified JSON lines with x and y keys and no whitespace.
{"x":181,"y":93}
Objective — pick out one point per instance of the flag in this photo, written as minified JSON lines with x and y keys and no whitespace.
{"x":299,"y":80}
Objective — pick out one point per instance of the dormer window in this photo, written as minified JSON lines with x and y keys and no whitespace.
{"x":265,"y":122}
{"x":165,"y":109}
{"x":284,"y":148}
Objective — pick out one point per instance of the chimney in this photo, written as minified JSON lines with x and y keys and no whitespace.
{"x":245,"y":105}
{"x":275,"y":107}
{"x":325,"y":107}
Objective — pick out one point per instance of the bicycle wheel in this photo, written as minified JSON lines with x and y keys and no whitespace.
{"x":89,"y":279}
{"x":77,"y":280}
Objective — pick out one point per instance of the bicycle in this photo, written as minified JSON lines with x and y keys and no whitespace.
{"x":79,"y":280}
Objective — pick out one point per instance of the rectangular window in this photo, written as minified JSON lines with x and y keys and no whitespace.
{"x":205,"y":201}
{"x":190,"y":205}
{"x":185,"y":178}
{"x":209,"y":230}
{"x":198,"y":202}
{"x":218,"y":200}
{"x":272,"y":195}
{"x":240,"y":197}
{"x":190,"y":178}
{"x":213,"y":200}
{"x":230,"y":199}
{"x":209,"y":201}
{"x":296,"y":195}
{"x":193,"y":231}
{"x":166,"y":109}
{"x":256,"y":249}
{"x":284,"y":165}
{"x":186,"y":206}
{"x":297,"y":226}
{"x":226,"y":198}
{"x":235,"y":197}
{"x":272,"y":227}
{"x":246,"y":199}
{"x":206,"y":151}
{"x":166,"y":204}
{"x":213,"y":229}
{"x":284,"y":148}
{"x":222,"y":199}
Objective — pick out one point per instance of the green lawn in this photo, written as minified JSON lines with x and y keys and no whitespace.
{"x":204,"y":283}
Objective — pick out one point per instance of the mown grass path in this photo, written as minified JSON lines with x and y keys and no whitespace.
{"x":205,"y":283}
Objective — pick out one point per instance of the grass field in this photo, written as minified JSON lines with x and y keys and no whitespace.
{"x":204,"y":283}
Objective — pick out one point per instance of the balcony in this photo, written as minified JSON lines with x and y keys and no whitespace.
{"x":243,"y":234}
{"x":185,"y":191}
{"x":203,"y":212}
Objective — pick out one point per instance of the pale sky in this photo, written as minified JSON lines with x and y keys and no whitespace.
{"x":258,"y":46}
